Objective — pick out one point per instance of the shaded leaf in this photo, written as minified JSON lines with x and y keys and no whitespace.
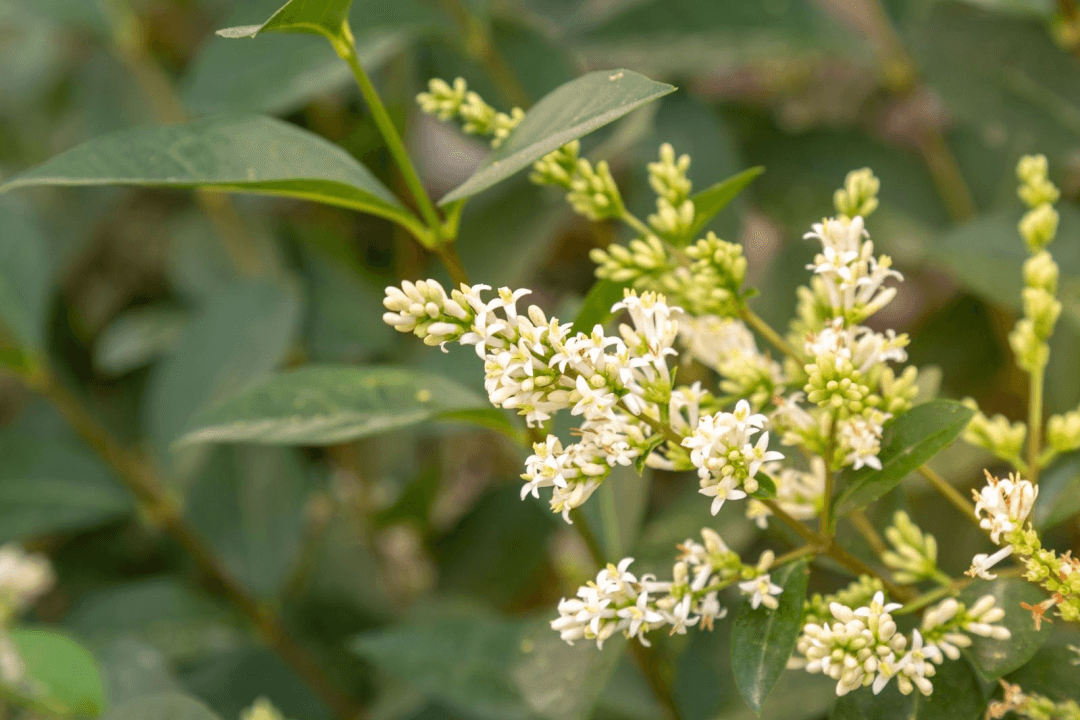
{"x":762,"y":640}
{"x":66,"y":672}
{"x":567,"y":113}
{"x":134,"y":668}
{"x":957,"y":696}
{"x":596,"y":309}
{"x":709,"y":202}
{"x":137,"y":337}
{"x":24,"y":279}
{"x":248,"y":503}
{"x":909,"y":440}
{"x":328,"y":405}
{"x":249,"y":154}
{"x":51,"y":485}
{"x":240,"y":336}
{"x":487,"y":667}
{"x":1059,"y":494}
{"x":994,"y":658}
{"x":163,"y":706}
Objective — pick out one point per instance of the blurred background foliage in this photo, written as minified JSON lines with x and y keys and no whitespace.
{"x":405,"y":563}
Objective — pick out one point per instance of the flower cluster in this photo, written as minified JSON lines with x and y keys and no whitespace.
{"x":1031,"y":706}
{"x":618,"y":601}
{"x":1003,"y":507}
{"x":861,"y":647}
{"x":1001,"y":437}
{"x":537,"y":366}
{"x":24,"y":577}
{"x":591,"y":189}
{"x":674,"y":216}
{"x":726,"y":456}
{"x":447,"y":102}
{"x":727,"y":346}
{"x":914,"y":554}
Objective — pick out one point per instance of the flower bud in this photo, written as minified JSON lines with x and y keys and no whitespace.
{"x":1040,"y":271}
{"x":1039,"y":226}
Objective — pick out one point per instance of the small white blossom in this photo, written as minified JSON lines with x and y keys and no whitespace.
{"x":981,"y":563}
{"x":24,"y":577}
{"x":762,"y":591}
{"x":1003,"y":505}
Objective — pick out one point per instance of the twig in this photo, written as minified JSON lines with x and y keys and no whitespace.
{"x":1035,"y":412}
{"x":140,"y":478}
{"x":949,"y":492}
{"x":869,"y":533}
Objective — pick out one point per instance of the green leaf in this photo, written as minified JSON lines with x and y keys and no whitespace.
{"x":994,"y":658}
{"x":164,"y":706}
{"x":248,"y":503}
{"x":137,"y":337}
{"x":567,"y":113}
{"x":328,"y":405}
{"x":491,"y":668}
{"x":67,"y":673}
{"x":134,"y":668}
{"x":762,"y":640}
{"x":241,"y":335}
{"x":596,"y":309}
{"x":24,"y":279}
{"x":909,"y":440}
{"x":957,"y":696}
{"x":230,"y":153}
{"x":319,"y":17}
{"x":1059,"y":493}
{"x":709,"y":202}
{"x":49,"y":485}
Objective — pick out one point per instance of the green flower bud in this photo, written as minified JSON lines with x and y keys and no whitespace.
{"x":1063,"y":431}
{"x":996,"y":434}
{"x":859,"y":194}
{"x":1043,"y":309}
{"x":1040,"y":271}
{"x":557,"y":168}
{"x":1039,"y":226}
{"x":593,"y":192}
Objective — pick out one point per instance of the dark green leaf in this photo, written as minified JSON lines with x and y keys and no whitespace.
{"x":596,"y":309}
{"x":1059,"y":493}
{"x":164,"y":706}
{"x":909,"y":440}
{"x":138,"y":337}
{"x":709,"y":202}
{"x":24,"y":279}
{"x":327,"y":405}
{"x":957,"y":696}
{"x":762,"y":640}
{"x":567,"y":113}
{"x":66,"y":671}
{"x":134,"y":668}
{"x":247,"y":154}
{"x":248,"y":503}
{"x":241,"y":335}
{"x":319,"y":17}
{"x":49,"y":485}
{"x":487,"y":667}
{"x":994,"y":658}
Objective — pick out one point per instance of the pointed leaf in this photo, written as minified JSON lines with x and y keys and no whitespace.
{"x":762,"y":640}
{"x":247,"y":154}
{"x":566,"y":113}
{"x":709,"y":202}
{"x":319,"y":17}
{"x":67,"y":674}
{"x":137,"y":337}
{"x":910,"y":439}
{"x":327,"y":405}
{"x":994,"y":658}
{"x":1059,"y":493}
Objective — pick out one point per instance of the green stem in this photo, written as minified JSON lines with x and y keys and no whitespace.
{"x":793,"y":555}
{"x":827,"y":519}
{"x":765,"y":330}
{"x":633,"y":221}
{"x":447,"y":253}
{"x":949,"y":492}
{"x":868,"y":531}
{"x":926,"y":598}
{"x":1035,"y":412}
{"x":345,"y":45}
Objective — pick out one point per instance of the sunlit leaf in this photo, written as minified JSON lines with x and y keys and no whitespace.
{"x":66,"y":672}
{"x":247,"y":154}
{"x":319,"y":17}
{"x":566,"y":113}
{"x":909,"y":440}
{"x":762,"y":640}
{"x":328,"y":405}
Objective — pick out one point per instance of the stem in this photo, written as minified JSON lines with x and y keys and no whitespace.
{"x":926,"y":598}
{"x":949,"y":492}
{"x":869,"y":532}
{"x":827,"y":519}
{"x":588,"y":537}
{"x":1035,"y":412}
{"x":765,"y":330}
{"x":793,"y":555}
{"x":152,"y":494}
{"x":447,"y":253}
{"x":633,"y":221}
{"x":345,"y":45}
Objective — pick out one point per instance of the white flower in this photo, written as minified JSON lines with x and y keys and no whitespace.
{"x":23,"y":578}
{"x":981,"y":563}
{"x":1006,"y":504}
{"x":860,"y":439}
{"x":916,"y":666}
{"x":762,"y":591}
